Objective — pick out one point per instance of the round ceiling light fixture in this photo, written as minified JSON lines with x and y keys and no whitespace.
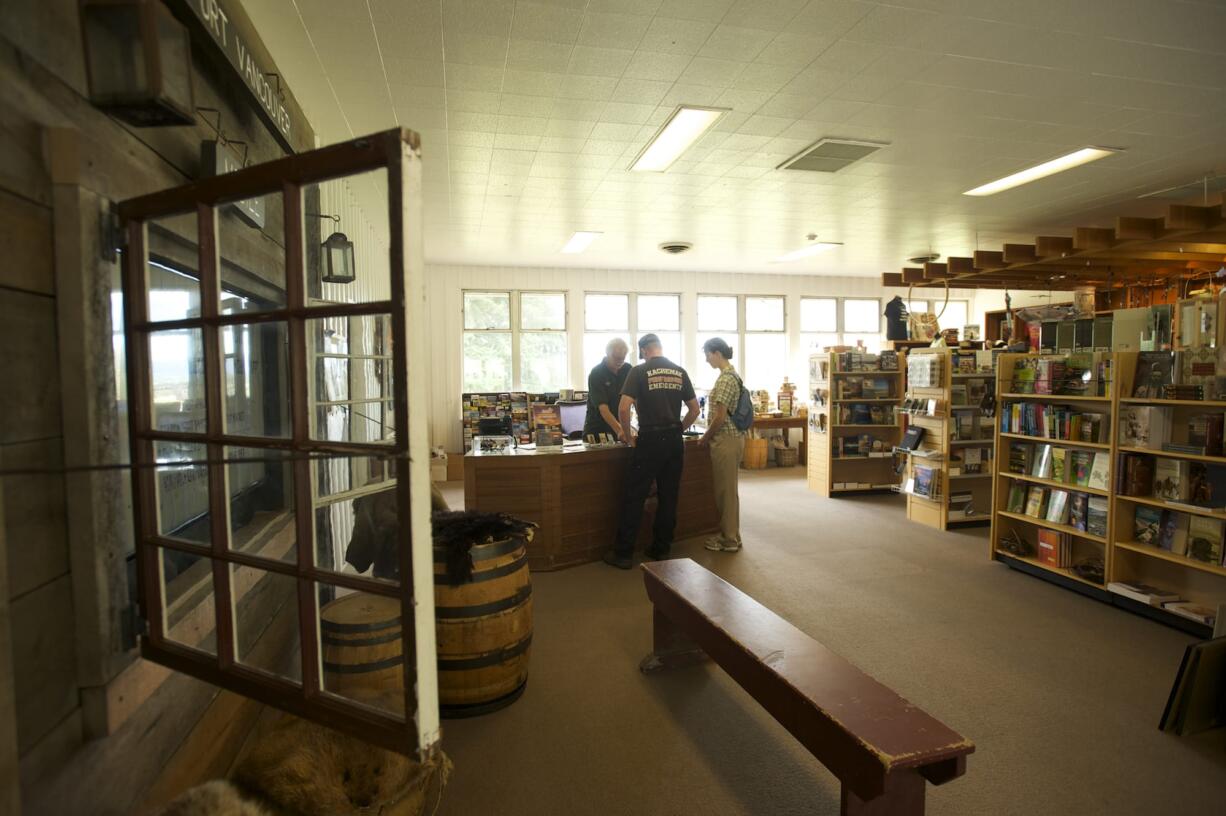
{"x":676,"y":247}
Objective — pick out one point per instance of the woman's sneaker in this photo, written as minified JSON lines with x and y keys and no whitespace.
{"x":717,"y":544}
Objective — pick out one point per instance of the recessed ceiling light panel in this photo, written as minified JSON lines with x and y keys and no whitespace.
{"x":580,"y":241}
{"x":1048,"y":168}
{"x":677,"y":135}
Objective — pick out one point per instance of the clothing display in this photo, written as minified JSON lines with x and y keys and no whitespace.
{"x":896,"y":319}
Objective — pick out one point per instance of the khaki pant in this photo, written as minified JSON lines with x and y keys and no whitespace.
{"x":726,"y":452}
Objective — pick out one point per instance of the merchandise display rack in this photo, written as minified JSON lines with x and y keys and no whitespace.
{"x":833,"y":467}
{"x":957,"y":497}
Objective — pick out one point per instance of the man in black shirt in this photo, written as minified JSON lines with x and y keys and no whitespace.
{"x":656,"y":389}
{"x":604,"y":391}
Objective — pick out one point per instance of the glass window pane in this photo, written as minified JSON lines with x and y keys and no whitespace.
{"x":250,"y":235}
{"x":255,"y":365}
{"x":182,"y":486}
{"x":360,"y":648}
{"x":356,"y":535}
{"x":174,"y":258}
{"x":487,"y":310}
{"x":764,"y":314}
{"x":872,"y":342}
{"x":594,"y":344}
{"x":766,"y":361}
{"x":542,"y":362}
{"x":659,"y":313}
{"x":862,"y":316}
{"x":266,"y":631}
{"x":954,"y":316}
{"x":918,"y":306}
{"x":261,"y":485}
{"x":717,"y":313}
{"x":487,"y":361}
{"x":189,"y":604}
{"x":176,"y":360}
{"x":819,"y":341}
{"x":819,"y":314}
{"x":542,"y":310}
{"x":670,"y":344}
{"x":606,"y":312}
{"x":337,"y":235}
{"x":704,"y":376}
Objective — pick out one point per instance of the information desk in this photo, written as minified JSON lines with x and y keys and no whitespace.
{"x":576,"y":496}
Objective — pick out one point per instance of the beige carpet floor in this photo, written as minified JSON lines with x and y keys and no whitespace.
{"x":1060,"y":693}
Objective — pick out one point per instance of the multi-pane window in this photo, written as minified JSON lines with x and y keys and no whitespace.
{"x":629,"y":316}
{"x":819,"y":323}
{"x":515,"y":341}
{"x":953,"y":315}
{"x":862,"y":322}
{"x":755,"y":327}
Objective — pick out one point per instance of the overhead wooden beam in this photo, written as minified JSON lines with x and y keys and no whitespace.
{"x":1186,"y":217}
{"x":1092,"y":238}
{"x":935,"y":271}
{"x":986,"y":259}
{"x":1138,"y":229}
{"x":911,"y":274}
{"x":1050,"y":246}
{"x":1019,"y":253}
{"x":960,"y":266}
{"x":892,"y":279}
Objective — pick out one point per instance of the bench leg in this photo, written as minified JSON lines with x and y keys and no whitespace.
{"x":903,"y":796}
{"x":672,"y":648}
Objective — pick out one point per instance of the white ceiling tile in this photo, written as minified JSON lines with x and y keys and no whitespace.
{"x":522,"y":125}
{"x":771,"y":15}
{"x":759,"y":76}
{"x":472,"y":77}
{"x":472,"y":101}
{"x":746,"y":102}
{"x":587,"y":87}
{"x":712,"y":72}
{"x":793,"y":50}
{"x":463,"y":120}
{"x":591,"y":61}
{"x":483,"y":18}
{"x":673,"y":36}
{"x":657,"y":66}
{"x":532,"y":83}
{"x":536,"y":21}
{"x":468,"y":138}
{"x":863,"y":88}
{"x":418,"y":72}
{"x":735,"y":43}
{"x":645,"y":91}
{"x":602,"y":147}
{"x":420,"y":118}
{"x":578,"y":109}
{"x":787,"y":105}
{"x":569,"y":128}
{"x":701,"y":95}
{"x":894,"y":26}
{"x":518,"y":105}
{"x":829,"y":18}
{"x":627,"y":113}
{"x":411,"y":96}
{"x":764,"y":126}
{"x":476,"y":50}
{"x":613,"y":30}
{"x":534,"y":55}
{"x":614,"y":132}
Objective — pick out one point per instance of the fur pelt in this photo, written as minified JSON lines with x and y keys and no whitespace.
{"x":219,"y":797}
{"x":457,"y":531}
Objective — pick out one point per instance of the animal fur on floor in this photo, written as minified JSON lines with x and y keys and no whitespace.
{"x":220,"y":797}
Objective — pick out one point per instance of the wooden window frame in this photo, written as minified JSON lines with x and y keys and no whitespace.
{"x":516,"y":330}
{"x":398,"y":153}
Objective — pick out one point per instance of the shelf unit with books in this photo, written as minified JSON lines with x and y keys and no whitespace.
{"x":1051,"y":502}
{"x":853,"y":421}
{"x":1170,"y":505}
{"x":947,"y":477}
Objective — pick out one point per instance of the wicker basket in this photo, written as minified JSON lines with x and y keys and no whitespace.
{"x":786,"y":457}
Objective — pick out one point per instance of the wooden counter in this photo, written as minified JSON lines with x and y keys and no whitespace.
{"x":575,"y":496}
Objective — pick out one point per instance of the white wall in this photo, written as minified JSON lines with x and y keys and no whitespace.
{"x":445,"y":284}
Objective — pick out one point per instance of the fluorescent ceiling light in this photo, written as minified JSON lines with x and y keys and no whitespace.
{"x":682,"y":129}
{"x":1074,"y":159}
{"x":804,"y":252}
{"x":580,"y":241}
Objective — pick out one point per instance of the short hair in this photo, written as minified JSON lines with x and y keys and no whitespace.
{"x":718,"y":344}
{"x":616,"y":342}
{"x":649,"y":340}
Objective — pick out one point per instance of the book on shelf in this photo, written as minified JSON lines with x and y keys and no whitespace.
{"x":957,"y":394}
{"x":1057,"y":422}
{"x":1049,"y":374}
{"x":547,"y":421}
{"x":1079,"y":376}
{"x":1077,"y":467}
{"x":1192,"y":611}
{"x":961,"y":505}
{"x":1096,"y":516}
{"x":1017,"y":497}
{"x":1058,"y":507}
{"x":1205,"y":434}
{"x":1207,"y":485}
{"x":1173,"y":537}
{"x":1147,"y":524}
{"x":1042,"y":462}
{"x":976,"y":390}
{"x":1077,"y":511}
{"x":1036,"y":502}
{"x":911,"y":439}
{"x":1144,"y":426}
{"x":1155,"y":370}
{"x":1143,"y":593}
{"x":1058,"y":457}
{"x":1100,"y":470}
{"x":1052,"y":548}
{"x":1136,"y":476}
{"x":925,"y":481}
{"x":972,"y":460}
{"x":1023,"y":380}
{"x":1172,"y":479}
{"x":1021,"y":454}
{"x":1205,"y":540}
{"x":1198,"y":367}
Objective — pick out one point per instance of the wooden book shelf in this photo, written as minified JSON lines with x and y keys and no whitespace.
{"x":838,"y":462}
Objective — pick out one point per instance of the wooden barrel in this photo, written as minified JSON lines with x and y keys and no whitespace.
{"x":360,"y":644}
{"x":755,"y":454}
{"x":484,"y":627}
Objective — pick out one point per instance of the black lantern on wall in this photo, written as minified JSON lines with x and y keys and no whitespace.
{"x":338,"y":266}
{"x":138,"y":61}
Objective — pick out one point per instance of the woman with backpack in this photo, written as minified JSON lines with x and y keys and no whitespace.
{"x":727,"y":443}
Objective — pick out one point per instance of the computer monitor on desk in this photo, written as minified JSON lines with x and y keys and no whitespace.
{"x":573,"y":415}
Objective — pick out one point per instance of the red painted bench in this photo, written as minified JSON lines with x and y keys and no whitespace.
{"x":881,"y":747}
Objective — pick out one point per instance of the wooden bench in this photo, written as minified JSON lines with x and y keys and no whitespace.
{"x":881,"y":747}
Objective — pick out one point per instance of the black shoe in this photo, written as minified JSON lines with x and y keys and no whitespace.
{"x":654,"y":554}
{"x":619,"y":561}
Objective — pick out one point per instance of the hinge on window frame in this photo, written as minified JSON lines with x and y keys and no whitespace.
{"x":133,"y":625}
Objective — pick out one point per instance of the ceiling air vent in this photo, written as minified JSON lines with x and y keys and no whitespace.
{"x":830,"y":155}
{"x":676,"y":247}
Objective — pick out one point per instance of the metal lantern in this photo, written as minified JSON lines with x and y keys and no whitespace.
{"x":338,"y":264}
{"x":138,"y":60}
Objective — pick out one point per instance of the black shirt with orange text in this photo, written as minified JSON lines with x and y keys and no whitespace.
{"x":659,"y":388}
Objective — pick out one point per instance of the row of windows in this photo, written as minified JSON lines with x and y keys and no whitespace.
{"x":518,"y":340}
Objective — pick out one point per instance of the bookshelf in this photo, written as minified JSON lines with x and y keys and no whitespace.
{"x":853,"y":422}
{"x":956,"y":453}
{"x":1051,"y":503}
{"x":1162,"y":558}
